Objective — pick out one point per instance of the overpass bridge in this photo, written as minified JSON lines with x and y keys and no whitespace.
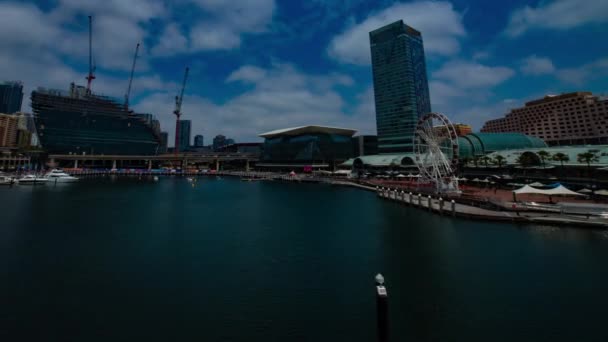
{"x":175,"y":159}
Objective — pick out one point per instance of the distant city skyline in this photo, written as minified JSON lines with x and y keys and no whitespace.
{"x":267,"y":64}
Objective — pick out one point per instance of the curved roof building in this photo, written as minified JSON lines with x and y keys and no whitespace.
{"x":483,"y":143}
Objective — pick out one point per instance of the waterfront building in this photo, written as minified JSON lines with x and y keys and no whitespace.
{"x":306,"y":148}
{"x":107,"y":128}
{"x":364,"y":145}
{"x":252,"y":148}
{"x":11,"y":97}
{"x":470,"y":146}
{"x":401,"y":91}
{"x":566,"y":119}
{"x":218,"y":142}
{"x":8,"y":130}
{"x":480,"y":144}
{"x":184,"y":135}
{"x":199,"y":141}
{"x":230,"y":141}
{"x":164,"y":138}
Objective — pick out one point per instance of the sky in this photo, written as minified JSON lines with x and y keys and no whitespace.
{"x":260,"y":65}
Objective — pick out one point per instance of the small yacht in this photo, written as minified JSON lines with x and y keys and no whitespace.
{"x":6,"y":180}
{"x":32,"y":179}
{"x":58,"y":176}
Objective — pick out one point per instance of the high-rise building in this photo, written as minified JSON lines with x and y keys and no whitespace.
{"x":164,"y":138}
{"x":184,"y":134}
{"x":218,"y":142}
{"x":9,"y":125}
{"x":11,"y":97}
{"x":199,"y":141}
{"x":566,"y":119}
{"x":401,"y":90}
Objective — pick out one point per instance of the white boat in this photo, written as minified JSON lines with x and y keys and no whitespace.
{"x":58,"y":176}
{"x":6,"y":180}
{"x":31,"y":179}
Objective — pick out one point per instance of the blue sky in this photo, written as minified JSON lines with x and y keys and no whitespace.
{"x":260,"y":65}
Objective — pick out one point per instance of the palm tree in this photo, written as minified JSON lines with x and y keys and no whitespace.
{"x":543,"y":155}
{"x":485,"y":160}
{"x":561,"y":158}
{"x":498,"y":160}
{"x":587,"y":158}
{"x":475,"y":160}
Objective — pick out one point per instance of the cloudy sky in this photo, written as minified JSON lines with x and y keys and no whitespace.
{"x":259,"y":65}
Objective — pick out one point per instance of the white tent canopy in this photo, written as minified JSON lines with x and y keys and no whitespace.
{"x":537,"y":184}
{"x":585,"y":191}
{"x":560,"y":190}
{"x":602,"y":192}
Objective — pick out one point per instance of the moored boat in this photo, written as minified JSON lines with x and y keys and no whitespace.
{"x":32,"y":179}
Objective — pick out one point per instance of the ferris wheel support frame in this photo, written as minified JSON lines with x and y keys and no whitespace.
{"x":436,"y":153}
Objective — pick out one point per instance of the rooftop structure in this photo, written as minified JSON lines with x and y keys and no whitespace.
{"x":308,"y":129}
{"x":567,"y":119}
{"x":477,"y":144}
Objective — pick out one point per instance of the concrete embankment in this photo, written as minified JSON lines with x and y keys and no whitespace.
{"x":452,"y":208}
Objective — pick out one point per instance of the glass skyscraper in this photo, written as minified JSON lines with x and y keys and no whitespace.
{"x":401,"y":90}
{"x":184,"y":135}
{"x":11,"y":97}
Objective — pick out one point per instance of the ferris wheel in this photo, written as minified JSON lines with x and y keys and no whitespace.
{"x":436,"y":149}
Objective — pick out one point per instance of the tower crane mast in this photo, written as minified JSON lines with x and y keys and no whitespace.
{"x":178,"y":110}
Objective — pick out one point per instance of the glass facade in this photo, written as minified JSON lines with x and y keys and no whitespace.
{"x":401,"y":90}
{"x":184,"y":134}
{"x":199,"y":141}
{"x":11,"y":97}
{"x":312,"y":148}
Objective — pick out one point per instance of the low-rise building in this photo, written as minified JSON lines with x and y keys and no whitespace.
{"x":306,"y":148}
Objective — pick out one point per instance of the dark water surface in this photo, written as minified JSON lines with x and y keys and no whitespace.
{"x":130,"y":260}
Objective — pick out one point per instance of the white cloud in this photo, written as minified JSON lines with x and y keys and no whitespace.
{"x":171,"y":41}
{"x":463,"y":74}
{"x":534,"y":65}
{"x":579,"y":75}
{"x":284,"y":97}
{"x":247,"y":73}
{"x":557,"y":15}
{"x":220,"y":28}
{"x":441,"y":27}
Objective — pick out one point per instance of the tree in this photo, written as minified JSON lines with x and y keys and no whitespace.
{"x":498,"y":160}
{"x":561,"y":158}
{"x":485,"y":160}
{"x":587,"y":158}
{"x":527,"y":159}
{"x":543,"y":156}
{"x":475,"y":160}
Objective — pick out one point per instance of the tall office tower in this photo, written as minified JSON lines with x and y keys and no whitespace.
{"x":199,"y":141}
{"x":184,"y":135}
{"x":164,"y":138}
{"x":11,"y":97}
{"x":401,"y":90}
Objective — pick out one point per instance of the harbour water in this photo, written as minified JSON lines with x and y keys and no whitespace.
{"x":224,"y":260}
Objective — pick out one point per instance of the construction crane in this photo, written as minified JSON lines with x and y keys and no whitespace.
{"x":178,"y":110}
{"x":131,"y":78}
{"x":91,"y":75}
